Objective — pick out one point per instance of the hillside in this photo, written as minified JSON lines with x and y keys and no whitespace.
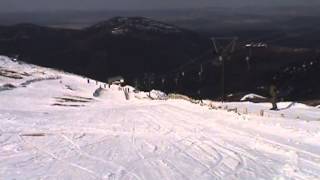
{"x":52,"y":127}
{"x":127,"y":46}
{"x":156,"y":55}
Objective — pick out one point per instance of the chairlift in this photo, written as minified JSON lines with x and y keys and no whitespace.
{"x":248,"y":58}
{"x":176,"y":80}
{"x":231,"y":44}
{"x":163,"y":80}
{"x":201,"y":69}
{"x":200,"y":75}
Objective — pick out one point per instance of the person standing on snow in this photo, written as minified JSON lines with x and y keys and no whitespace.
{"x":274,"y":97}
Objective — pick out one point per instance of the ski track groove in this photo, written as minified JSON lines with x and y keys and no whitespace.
{"x":92,"y":173}
{"x":85,"y":154}
{"x":207,"y":167}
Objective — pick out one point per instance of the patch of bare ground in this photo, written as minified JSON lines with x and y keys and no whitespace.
{"x":67,"y":105}
{"x":11,"y":74}
{"x":71,"y":101}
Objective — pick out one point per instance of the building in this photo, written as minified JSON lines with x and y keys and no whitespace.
{"x":118,"y":80}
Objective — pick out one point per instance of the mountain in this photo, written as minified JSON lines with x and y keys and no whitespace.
{"x":134,"y":26}
{"x":129,"y":46}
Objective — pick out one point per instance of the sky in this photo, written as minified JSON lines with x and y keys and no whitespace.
{"x":44,"y":5}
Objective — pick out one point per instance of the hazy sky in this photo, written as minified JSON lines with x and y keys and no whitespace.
{"x":36,"y":5}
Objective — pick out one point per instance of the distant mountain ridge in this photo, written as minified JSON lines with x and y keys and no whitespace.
{"x":134,"y":24}
{"x":121,"y":45}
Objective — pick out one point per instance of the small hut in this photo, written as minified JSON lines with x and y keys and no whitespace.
{"x":118,"y":80}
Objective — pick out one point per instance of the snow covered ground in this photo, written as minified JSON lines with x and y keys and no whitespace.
{"x":52,"y":127}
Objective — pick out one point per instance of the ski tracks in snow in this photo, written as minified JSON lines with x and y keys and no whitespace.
{"x":145,"y":140}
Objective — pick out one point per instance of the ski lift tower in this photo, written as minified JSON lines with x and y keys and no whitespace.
{"x":223,"y":47}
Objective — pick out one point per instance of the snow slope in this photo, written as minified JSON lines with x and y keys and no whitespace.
{"x":52,"y":127}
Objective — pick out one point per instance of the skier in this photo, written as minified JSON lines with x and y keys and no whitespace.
{"x":274,"y":96}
